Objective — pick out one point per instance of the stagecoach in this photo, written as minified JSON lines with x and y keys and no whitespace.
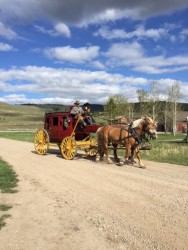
{"x":62,"y":130}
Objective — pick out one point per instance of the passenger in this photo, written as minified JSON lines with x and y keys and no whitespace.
{"x":78,"y":111}
{"x":87,"y":114}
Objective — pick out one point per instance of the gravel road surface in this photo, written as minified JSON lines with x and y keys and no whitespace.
{"x":84,"y":205}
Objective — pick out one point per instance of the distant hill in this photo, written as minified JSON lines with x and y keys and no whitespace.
{"x":20,"y":117}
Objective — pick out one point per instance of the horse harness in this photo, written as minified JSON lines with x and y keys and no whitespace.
{"x":132,"y":134}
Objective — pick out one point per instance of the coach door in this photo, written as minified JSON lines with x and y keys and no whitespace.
{"x":54,"y":128}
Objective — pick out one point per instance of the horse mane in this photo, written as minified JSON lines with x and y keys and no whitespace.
{"x":140,"y":121}
{"x":136,"y":123}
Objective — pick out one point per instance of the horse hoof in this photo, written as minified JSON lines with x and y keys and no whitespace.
{"x":97,"y":158}
{"x":120,"y":164}
{"x":142,"y":166}
{"x":100,"y":159}
{"x":109,"y":162}
{"x":128,"y":162}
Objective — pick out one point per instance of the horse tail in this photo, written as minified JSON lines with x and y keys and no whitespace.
{"x":98,"y":130}
{"x":100,"y":141}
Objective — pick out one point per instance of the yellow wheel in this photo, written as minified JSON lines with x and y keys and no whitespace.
{"x":68,"y":148}
{"x":92,"y":150}
{"x":41,"y":141}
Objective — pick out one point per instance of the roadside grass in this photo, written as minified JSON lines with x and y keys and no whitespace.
{"x":3,"y":219}
{"x":8,"y":183}
{"x":169,"y":152}
{"x":19,"y":136}
{"x":170,"y":137}
{"x":4,"y":207}
{"x":8,"y":178}
{"x":168,"y":148}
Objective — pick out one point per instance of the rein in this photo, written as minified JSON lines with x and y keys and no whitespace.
{"x":131,"y":133}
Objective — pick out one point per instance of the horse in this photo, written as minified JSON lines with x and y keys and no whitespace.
{"x":129,"y":136}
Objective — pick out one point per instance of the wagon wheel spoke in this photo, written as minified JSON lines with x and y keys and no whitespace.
{"x":41,"y":141}
{"x":68,"y":148}
{"x":92,"y":150}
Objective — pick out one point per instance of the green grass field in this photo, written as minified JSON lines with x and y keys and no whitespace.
{"x":19,"y":136}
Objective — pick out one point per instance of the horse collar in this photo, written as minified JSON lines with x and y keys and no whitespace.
{"x":135,"y":135}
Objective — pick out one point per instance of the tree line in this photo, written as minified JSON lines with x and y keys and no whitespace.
{"x":150,"y":103}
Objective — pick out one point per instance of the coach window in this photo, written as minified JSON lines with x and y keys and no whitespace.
{"x":55,"y":121}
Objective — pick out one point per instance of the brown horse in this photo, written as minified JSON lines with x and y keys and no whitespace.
{"x":129,"y":137}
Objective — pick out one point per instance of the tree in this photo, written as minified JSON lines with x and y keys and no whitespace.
{"x":122,"y":105}
{"x":131,"y":108}
{"x":109,"y":109}
{"x":143,"y":98}
{"x":116,"y":105}
{"x":173,"y":96}
{"x":164,"y":116}
{"x":154,"y":98}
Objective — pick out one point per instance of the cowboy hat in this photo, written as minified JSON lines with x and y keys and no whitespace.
{"x":77,"y":102}
{"x":87,"y":104}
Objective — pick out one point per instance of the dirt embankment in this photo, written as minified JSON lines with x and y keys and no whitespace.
{"x":80,"y":204}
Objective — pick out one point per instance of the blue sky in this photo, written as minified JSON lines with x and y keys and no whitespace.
{"x":60,"y":51}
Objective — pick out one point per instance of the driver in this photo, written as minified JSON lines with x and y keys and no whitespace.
{"x":76,"y":111}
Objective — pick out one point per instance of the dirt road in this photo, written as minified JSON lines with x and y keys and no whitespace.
{"x":80,"y":204}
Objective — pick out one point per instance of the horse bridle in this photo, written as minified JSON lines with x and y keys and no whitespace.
{"x":148,"y":130}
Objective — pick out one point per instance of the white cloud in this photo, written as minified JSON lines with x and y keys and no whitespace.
{"x":63,"y":29}
{"x":98,"y":65}
{"x":75,"y":55}
{"x":125,"y":53}
{"x":23,"y":99}
{"x":106,"y":15}
{"x":134,"y":56}
{"x":14,"y":98}
{"x":43,"y":30}
{"x":60,"y":29}
{"x":6,"y":47}
{"x":184,"y":34}
{"x":6,"y":32}
{"x":140,"y":32}
{"x":66,"y":84}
